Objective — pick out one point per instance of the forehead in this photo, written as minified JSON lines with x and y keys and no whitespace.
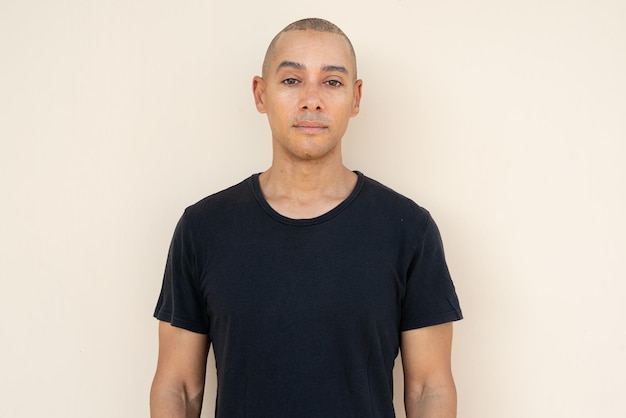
{"x":312,"y":48}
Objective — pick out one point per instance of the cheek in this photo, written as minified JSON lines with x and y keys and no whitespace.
{"x":284,"y":102}
{"x":344,"y":101}
{"x":279,"y":118}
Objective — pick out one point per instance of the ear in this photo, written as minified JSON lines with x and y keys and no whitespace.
{"x":358,"y":85}
{"x":258,"y":90}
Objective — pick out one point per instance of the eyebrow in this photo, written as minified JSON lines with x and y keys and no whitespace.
{"x":299,"y":66}
{"x":335,"y":68}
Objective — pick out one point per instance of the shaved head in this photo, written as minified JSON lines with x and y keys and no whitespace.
{"x":314,"y":24}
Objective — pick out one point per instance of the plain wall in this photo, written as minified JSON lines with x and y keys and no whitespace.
{"x":507,"y":120}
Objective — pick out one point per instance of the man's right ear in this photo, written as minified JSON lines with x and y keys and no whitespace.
{"x":258,"y":90}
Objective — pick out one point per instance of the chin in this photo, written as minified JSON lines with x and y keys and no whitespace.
{"x":315,"y":155}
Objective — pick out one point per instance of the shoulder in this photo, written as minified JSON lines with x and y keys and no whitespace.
{"x":223,"y":204}
{"x":390,"y":202}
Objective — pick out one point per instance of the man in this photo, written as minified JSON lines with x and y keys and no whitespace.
{"x":308,"y":277}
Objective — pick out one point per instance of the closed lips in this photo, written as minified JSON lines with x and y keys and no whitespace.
{"x":310,"y":124}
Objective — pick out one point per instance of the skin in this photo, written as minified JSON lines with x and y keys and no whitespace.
{"x":178,"y":385}
{"x":309,"y":92}
{"x":429,"y":389}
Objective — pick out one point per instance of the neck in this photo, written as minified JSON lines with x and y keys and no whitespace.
{"x":304,"y":190}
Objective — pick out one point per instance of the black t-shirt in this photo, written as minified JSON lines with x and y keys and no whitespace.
{"x":305,"y":315}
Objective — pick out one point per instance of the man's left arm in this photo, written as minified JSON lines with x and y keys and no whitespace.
{"x":429,"y":390}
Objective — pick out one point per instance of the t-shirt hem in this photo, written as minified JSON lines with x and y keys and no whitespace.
{"x":450,"y":316}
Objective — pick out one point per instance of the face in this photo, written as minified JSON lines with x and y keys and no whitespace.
{"x":309,"y":92}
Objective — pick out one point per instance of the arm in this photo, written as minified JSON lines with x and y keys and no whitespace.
{"x":429,"y":390}
{"x":178,"y":385}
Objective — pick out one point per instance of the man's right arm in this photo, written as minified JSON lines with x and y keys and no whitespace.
{"x":178,"y":385}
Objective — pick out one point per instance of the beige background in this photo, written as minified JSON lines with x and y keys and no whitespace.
{"x":507,"y":120}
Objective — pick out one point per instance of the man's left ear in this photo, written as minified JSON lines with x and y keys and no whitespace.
{"x":258,"y":90}
{"x":358,"y":85}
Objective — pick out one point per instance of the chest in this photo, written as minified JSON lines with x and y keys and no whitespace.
{"x":299,"y":275}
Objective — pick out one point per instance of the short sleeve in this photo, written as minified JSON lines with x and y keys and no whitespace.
{"x":430,"y":297}
{"x":180,"y":302}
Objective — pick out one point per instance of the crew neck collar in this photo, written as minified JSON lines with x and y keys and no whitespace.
{"x":258,"y":194}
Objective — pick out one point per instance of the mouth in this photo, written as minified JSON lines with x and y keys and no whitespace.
{"x":310,"y":126}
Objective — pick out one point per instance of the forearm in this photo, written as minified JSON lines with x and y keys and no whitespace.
{"x":431,"y":402}
{"x":167,"y":402}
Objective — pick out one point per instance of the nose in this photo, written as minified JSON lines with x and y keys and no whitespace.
{"x":311,"y":99}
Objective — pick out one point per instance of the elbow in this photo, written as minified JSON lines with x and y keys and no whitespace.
{"x":417,"y":392}
{"x":172,"y":399}
{"x":431,"y":398}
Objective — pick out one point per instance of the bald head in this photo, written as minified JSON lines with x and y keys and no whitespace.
{"x":313,"y":24}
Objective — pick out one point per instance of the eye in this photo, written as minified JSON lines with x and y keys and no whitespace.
{"x":290,"y":81}
{"x":334,"y":83}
